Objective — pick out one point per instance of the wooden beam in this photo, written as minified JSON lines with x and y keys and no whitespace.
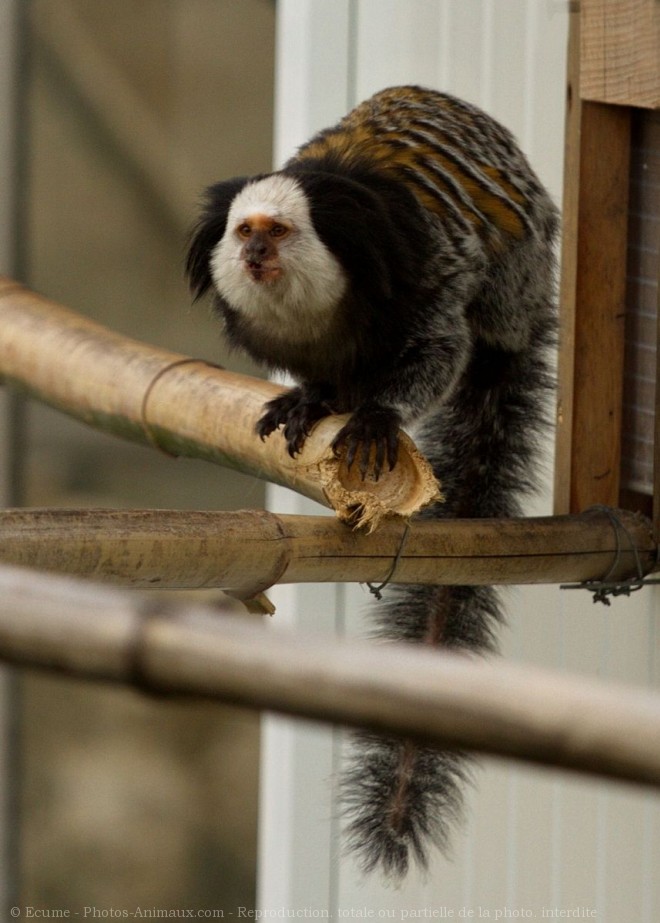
{"x":567,"y":289}
{"x":620,"y":58}
{"x":600,"y":285}
{"x":656,"y":434}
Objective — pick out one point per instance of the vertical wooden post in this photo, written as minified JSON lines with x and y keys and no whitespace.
{"x":656,"y":433}
{"x":600,"y":300}
{"x":593,"y":299}
{"x":566,"y":358}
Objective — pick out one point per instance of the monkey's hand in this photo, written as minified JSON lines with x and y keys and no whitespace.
{"x":373,"y":430}
{"x":297,"y":411}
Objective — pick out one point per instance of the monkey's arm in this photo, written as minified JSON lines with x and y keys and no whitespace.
{"x":423,"y":377}
{"x":388,"y":392}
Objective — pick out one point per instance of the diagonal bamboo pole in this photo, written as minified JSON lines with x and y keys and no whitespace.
{"x":247,"y":552}
{"x":187,"y":407}
{"x":446,"y":699}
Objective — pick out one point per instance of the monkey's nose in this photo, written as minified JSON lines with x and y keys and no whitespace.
{"x":256,"y":252}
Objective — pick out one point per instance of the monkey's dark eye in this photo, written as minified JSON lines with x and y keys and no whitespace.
{"x":279,"y":230}
{"x":244,"y":230}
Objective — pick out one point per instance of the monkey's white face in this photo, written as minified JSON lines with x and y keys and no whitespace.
{"x":271,"y":265}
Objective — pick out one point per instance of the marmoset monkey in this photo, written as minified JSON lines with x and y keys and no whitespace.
{"x":401,"y":266}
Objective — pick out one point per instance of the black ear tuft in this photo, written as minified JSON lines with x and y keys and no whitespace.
{"x":346,"y":214}
{"x":209,"y":231}
{"x":370,"y":223}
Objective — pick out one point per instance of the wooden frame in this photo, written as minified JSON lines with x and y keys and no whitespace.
{"x":609,"y":65}
{"x":620,"y":45}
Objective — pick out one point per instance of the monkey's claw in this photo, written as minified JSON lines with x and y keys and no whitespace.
{"x":277,"y":413}
{"x":297,"y":413}
{"x":370,"y":432}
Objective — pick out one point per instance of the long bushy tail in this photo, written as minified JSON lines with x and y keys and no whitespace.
{"x":401,"y":798}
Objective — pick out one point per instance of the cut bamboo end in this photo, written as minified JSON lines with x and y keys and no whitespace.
{"x":365,"y":503}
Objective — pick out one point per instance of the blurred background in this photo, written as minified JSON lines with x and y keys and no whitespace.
{"x":130,"y":110}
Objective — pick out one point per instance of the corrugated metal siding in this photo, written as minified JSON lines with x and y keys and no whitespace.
{"x":535,"y":842}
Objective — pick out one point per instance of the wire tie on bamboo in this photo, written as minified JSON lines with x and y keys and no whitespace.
{"x":144,"y":422}
{"x":604,"y":587}
{"x":376,"y":590}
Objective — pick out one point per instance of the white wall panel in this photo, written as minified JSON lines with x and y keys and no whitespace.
{"x":533,"y":839}
{"x":313,"y":69}
{"x":396,"y":43}
{"x":507,"y":44}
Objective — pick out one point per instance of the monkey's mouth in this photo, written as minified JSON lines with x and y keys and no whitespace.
{"x":263,"y":272}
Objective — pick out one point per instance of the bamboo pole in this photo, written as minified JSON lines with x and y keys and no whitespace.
{"x":188,"y":407}
{"x":247,"y":552}
{"x":444,"y":699}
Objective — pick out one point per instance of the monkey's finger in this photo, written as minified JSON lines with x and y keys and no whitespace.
{"x":365,"y":455}
{"x":392,"y":449}
{"x":351,"y":450}
{"x":295,"y":439}
{"x":264,"y":428}
{"x":379,"y":459}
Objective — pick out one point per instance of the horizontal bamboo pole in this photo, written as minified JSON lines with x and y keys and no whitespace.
{"x":445,"y":699}
{"x":248,"y":551}
{"x":187,"y":407}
